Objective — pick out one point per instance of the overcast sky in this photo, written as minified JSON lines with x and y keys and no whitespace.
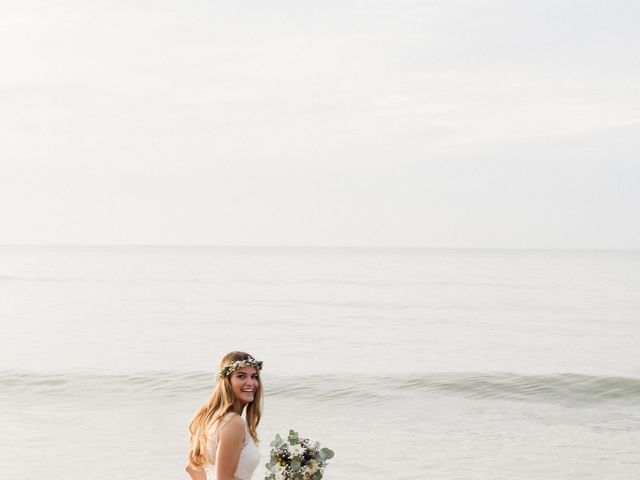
{"x":358,"y":123}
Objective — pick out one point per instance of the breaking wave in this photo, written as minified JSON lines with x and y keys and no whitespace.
{"x":350,"y":389}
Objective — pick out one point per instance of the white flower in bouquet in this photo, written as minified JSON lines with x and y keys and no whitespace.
{"x":281,"y":473}
{"x":296,"y":450}
{"x":296,"y":459}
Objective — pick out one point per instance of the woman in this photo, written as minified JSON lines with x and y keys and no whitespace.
{"x":222,"y":444}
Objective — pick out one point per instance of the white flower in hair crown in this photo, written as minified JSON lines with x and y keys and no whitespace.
{"x":229,"y":368}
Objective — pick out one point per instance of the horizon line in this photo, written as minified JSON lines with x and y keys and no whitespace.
{"x":282,"y":246}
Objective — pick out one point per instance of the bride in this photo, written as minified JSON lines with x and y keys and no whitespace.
{"x":222,"y":444}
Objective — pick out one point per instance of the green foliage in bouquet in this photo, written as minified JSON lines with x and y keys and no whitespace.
{"x":296,"y":458}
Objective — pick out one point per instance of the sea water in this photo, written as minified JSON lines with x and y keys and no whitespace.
{"x":408,"y":363}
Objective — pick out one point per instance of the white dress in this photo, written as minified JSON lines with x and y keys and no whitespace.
{"x":249,"y":455}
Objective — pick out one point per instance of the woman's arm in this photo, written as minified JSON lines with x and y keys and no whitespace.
{"x":196,"y":473}
{"x":230,"y":440}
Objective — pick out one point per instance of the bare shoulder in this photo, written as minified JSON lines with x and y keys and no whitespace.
{"x":233,"y":428}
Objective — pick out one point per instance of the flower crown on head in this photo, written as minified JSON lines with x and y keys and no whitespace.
{"x":229,"y":368}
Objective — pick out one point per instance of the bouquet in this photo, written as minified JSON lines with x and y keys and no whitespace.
{"x":296,"y":459}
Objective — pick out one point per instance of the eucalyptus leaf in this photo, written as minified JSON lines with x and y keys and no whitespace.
{"x":277,"y":441}
{"x":327,"y":452}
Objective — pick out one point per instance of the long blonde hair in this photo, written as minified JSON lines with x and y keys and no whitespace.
{"x":221,"y":402}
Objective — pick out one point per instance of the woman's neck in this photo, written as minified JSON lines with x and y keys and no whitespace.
{"x":238,"y":408}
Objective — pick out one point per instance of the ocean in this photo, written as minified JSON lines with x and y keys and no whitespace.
{"x":408,"y":363}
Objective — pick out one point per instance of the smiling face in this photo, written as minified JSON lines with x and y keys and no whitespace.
{"x":245,"y":383}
